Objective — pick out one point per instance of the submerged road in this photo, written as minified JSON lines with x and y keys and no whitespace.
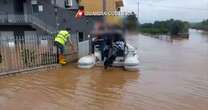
{"x":173,"y":76}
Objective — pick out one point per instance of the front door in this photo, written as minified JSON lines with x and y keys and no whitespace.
{"x":83,"y":45}
{"x":19,"y":6}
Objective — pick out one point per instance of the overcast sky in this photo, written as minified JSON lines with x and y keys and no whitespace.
{"x":151,"y":10}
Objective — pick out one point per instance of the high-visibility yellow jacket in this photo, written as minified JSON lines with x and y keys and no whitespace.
{"x":62,"y":37}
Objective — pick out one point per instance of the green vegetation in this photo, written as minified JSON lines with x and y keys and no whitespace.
{"x":131,"y":22}
{"x":201,"y":26}
{"x":172,"y":27}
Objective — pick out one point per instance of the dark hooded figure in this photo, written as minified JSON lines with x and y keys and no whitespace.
{"x":114,"y":48}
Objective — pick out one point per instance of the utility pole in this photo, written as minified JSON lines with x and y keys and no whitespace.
{"x":138,"y":11}
{"x":104,"y":5}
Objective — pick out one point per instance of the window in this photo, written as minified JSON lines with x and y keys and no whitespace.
{"x":52,"y":2}
{"x":34,"y":2}
{"x":36,"y":7}
{"x":81,"y":36}
{"x":40,"y":8}
{"x":68,"y":3}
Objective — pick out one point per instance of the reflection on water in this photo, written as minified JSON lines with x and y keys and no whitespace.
{"x":168,"y":38}
{"x":173,"y":76}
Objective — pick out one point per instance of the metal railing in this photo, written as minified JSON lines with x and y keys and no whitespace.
{"x":6,"y":18}
{"x":25,"y":52}
{"x":38,"y":22}
{"x":19,"y":19}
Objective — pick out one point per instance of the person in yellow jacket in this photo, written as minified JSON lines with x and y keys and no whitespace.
{"x":61,"y":39}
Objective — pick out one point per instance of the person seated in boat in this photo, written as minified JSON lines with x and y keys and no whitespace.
{"x":97,"y":39}
{"x":115,"y":48}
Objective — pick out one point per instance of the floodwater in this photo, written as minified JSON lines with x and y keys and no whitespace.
{"x":173,"y":76}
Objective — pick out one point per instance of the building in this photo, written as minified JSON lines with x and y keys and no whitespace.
{"x":27,"y":28}
{"x":99,"y":6}
{"x":41,"y":16}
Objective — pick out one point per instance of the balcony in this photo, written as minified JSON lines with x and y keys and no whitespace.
{"x":12,"y":19}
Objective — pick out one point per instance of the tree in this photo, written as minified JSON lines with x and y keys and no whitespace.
{"x":131,"y":22}
{"x":201,"y":25}
{"x":174,"y":27}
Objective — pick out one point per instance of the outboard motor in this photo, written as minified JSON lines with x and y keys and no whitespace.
{"x":116,"y":50}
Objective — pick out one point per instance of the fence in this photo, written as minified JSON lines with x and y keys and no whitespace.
{"x":25,"y":52}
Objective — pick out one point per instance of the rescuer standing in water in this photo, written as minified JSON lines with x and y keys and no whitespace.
{"x":60,"y":42}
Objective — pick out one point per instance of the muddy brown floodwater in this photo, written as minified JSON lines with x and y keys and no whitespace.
{"x":173,"y":76}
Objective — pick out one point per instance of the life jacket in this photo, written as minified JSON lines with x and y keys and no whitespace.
{"x":62,"y":37}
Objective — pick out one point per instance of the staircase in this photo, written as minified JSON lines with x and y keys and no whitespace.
{"x":27,"y":19}
{"x":42,"y":25}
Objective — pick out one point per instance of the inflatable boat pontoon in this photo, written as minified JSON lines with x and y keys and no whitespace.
{"x":124,"y":56}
